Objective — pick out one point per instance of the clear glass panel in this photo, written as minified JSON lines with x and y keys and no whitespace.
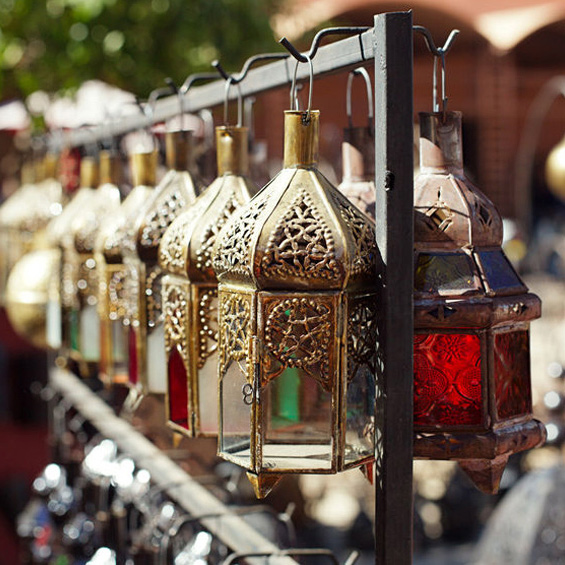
{"x":90,"y":333}
{"x":119,"y":352}
{"x":360,"y":424}
{"x":156,"y":360}
{"x":54,"y":324}
{"x":447,"y":380}
{"x":445,"y":273}
{"x":208,"y":395}
{"x":498,"y":271}
{"x":236,"y":414}
{"x":512,"y":374}
{"x":178,"y":390}
{"x":297,"y":426}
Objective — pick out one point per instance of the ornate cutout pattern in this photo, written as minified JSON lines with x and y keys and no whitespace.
{"x":362,"y":331}
{"x":207,"y":325}
{"x":175,"y":304}
{"x":153,"y":296}
{"x":156,"y":223}
{"x":302,"y":245}
{"x":298,"y":333}
{"x":116,"y":295}
{"x":233,"y":252}
{"x":235,"y":321}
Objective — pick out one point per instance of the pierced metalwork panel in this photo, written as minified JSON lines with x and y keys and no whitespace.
{"x":447,"y":380}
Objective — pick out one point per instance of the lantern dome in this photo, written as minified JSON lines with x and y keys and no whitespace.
{"x":452,"y":213}
{"x":299,"y":232}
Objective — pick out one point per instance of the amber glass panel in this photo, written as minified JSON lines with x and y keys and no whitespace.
{"x":512,"y":374}
{"x":297,"y":422}
{"x":178,"y":390}
{"x":498,"y":270}
{"x":449,"y":273}
{"x":447,"y":380}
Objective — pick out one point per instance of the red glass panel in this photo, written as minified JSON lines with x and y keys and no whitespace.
{"x":133,"y":371}
{"x":447,"y":380}
{"x":512,"y":374}
{"x":178,"y":390}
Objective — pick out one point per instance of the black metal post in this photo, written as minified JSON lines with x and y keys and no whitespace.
{"x":394,"y":202}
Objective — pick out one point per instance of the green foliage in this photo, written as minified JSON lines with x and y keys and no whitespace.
{"x":55,"y":45}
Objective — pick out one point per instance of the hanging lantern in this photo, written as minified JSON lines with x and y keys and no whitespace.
{"x":555,"y":170}
{"x":297,"y":314}
{"x":190,"y":290}
{"x":111,"y":272}
{"x":358,"y":153}
{"x":177,"y":190}
{"x":84,"y":231}
{"x":472,"y":392}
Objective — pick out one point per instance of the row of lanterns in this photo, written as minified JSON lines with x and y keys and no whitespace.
{"x":255,"y":311}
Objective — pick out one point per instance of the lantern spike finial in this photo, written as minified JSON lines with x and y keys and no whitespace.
{"x":263,"y":484}
{"x":485,"y":474}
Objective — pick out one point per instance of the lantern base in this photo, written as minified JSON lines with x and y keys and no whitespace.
{"x":263,"y":484}
{"x":482,"y":456}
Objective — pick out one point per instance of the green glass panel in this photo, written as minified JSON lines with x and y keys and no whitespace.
{"x":498,"y":270}
{"x":445,"y":272}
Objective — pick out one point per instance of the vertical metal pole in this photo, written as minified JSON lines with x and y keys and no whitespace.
{"x":394,"y":216}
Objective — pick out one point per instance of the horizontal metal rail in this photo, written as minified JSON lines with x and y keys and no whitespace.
{"x":217,"y":518}
{"x":338,"y":56}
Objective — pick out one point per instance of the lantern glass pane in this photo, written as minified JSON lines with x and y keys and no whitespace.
{"x":178,"y":389}
{"x":360,"y":424}
{"x":498,"y":271}
{"x":156,"y":360}
{"x":235,"y":438}
{"x":90,"y":333}
{"x":133,"y":371}
{"x":208,"y":395}
{"x":512,"y":374}
{"x":119,"y":347}
{"x":445,"y":273}
{"x":297,"y":412}
{"x":447,"y":380}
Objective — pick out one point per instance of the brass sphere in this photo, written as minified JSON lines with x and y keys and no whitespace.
{"x":555,"y":170}
{"x":27,"y":294}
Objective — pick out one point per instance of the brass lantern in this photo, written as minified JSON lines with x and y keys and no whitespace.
{"x":84,"y":231}
{"x":358,"y":153}
{"x":298,"y":322}
{"x":111,"y":272}
{"x":190,"y":289}
{"x":472,"y":392}
{"x":177,"y":190}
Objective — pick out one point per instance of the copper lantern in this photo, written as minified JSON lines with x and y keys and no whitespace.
{"x":472,"y":392}
{"x":190,"y":289}
{"x":297,"y":314}
{"x":148,"y":368}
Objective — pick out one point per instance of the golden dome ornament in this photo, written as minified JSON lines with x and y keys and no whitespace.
{"x":176,"y":191}
{"x":298,"y":322}
{"x":358,"y":152}
{"x":190,"y":295}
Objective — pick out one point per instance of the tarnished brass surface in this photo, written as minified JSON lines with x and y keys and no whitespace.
{"x":110,"y":168}
{"x":231,"y":147}
{"x":178,"y":150}
{"x":89,"y":172}
{"x":301,"y":138}
{"x":144,"y":168}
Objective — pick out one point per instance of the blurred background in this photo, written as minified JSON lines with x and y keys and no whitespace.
{"x":67,"y":63}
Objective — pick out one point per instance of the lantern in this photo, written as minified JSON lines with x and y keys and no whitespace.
{"x":111,"y":272}
{"x":472,"y":393}
{"x":297,"y":314}
{"x":148,"y":369}
{"x":84,"y":230}
{"x":190,"y":290}
{"x":358,"y":153}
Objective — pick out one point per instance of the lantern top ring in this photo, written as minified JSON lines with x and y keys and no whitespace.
{"x":293,"y":91}
{"x":362,"y":72}
{"x":229,"y":82}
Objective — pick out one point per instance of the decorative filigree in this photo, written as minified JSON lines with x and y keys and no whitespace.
{"x":232,"y":254}
{"x":203,"y":253}
{"x":116,"y":294}
{"x":160,"y":218}
{"x":153,"y":296}
{"x":301,"y":245}
{"x":439,"y":216}
{"x":87,"y":280}
{"x":207,"y":324}
{"x":175,"y":304}
{"x":362,"y":331}
{"x":298,"y":333}
{"x":235,"y":319}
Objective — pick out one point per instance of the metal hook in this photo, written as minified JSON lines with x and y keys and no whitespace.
{"x":360,"y":71}
{"x":438,"y":53}
{"x":236,"y":79}
{"x":293,"y":96}
{"x":229,"y":82}
{"x":317,"y":39}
